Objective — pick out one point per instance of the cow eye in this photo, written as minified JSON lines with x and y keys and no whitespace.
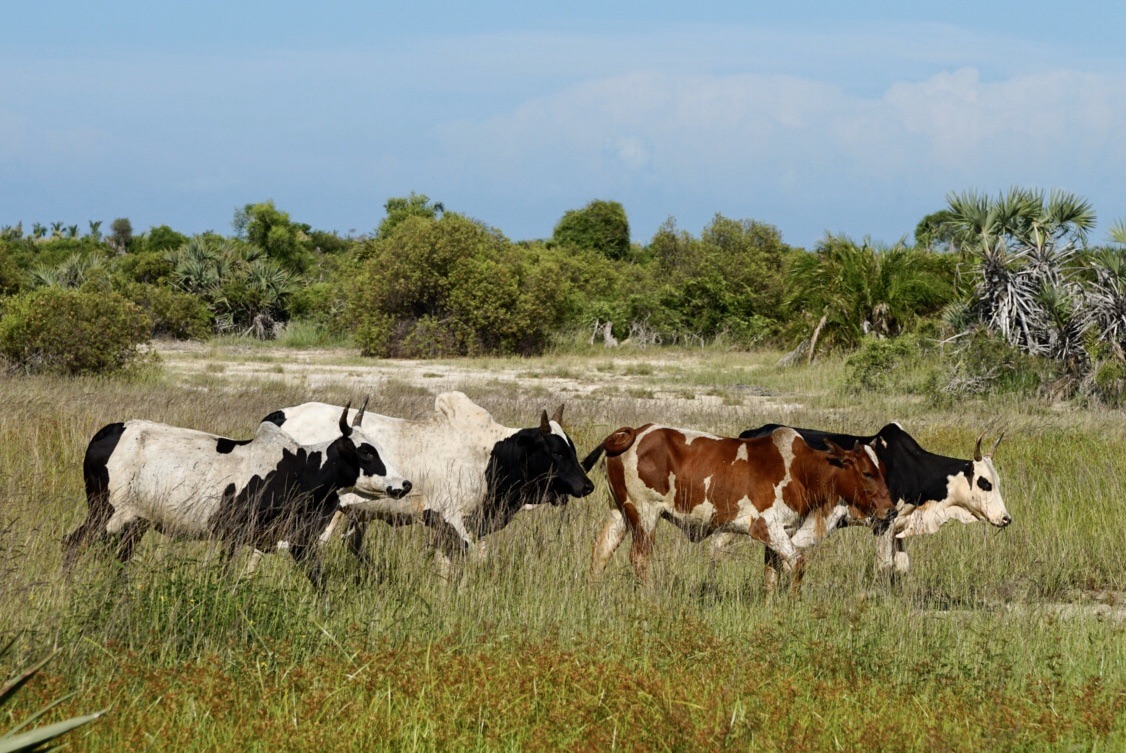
{"x":984,"y":485}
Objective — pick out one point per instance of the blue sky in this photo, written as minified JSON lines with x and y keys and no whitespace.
{"x":855,"y":118}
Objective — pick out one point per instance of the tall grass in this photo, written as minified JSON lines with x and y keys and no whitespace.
{"x":974,"y":650}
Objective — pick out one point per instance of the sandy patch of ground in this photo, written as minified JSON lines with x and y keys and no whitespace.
{"x":602,"y":377}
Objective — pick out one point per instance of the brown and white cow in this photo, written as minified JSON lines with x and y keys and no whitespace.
{"x":775,"y":488}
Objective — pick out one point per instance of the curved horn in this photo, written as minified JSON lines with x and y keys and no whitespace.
{"x":977,"y":447}
{"x":558,"y":417}
{"x":994,"y":448}
{"x":545,"y":427}
{"x":360,"y":413}
{"x":345,"y":429}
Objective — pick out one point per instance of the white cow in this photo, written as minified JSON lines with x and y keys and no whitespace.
{"x":262,"y":492}
{"x":471,"y":475}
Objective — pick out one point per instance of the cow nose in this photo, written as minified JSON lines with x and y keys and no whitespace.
{"x":1005,"y":521}
{"x":588,"y":487}
{"x":406,"y":487}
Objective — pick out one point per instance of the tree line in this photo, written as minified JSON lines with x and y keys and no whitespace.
{"x":1016,"y":269}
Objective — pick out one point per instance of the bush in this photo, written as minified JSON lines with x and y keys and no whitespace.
{"x":454,"y":287}
{"x":878,"y":364}
{"x":59,"y":331}
{"x":181,"y":316}
{"x":600,"y":226}
{"x":984,"y":363}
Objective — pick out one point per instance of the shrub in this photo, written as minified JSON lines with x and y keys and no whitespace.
{"x":600,"y":226}
{"x":454,"y":287}
{"x":878,"y":364}
{"x":181,"y":316}
{"x":71,"y":332}
{"x":984,"y":363}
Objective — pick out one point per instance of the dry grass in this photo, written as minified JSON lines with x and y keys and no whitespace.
{"x":973,"y":651}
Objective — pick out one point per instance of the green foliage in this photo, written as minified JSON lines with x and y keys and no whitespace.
{"x":245,"y":290}
{"x":861,"y":289}
{"x":271,"y":230}
{"x":58,"y":331}
{"x":121,"y":233}
{"x":399,"y":208}
{"x":878,"y":364}
{"x":453,"y":287}
{"x":12,"y":279}
{"x":152,"y":267}
{"x":934,"y":232}
{"x":982,"y":363}
{"x":164,"y":238}
{"x":174,"y":314}
{"x":600,"y":226}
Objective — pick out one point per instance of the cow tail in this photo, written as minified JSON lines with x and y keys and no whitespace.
{"x":615,"y":444}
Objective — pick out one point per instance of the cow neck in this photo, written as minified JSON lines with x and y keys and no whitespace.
{"x":916,"y":476}
{"x":819,"y":480}
{"x":507,"y":485}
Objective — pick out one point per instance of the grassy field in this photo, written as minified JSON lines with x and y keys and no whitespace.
{"x":1000,"y":640}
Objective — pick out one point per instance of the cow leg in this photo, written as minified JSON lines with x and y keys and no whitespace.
{"x":310,"y":563}
{"x":797,"y":572}
{"x":355,"y":537}
{"x":718,"y":543}
{"x":326,"y":535}
{"x":772,"y":567}
{"x":885,"y":554}
{"x":608,"y":541}
{"x":450,"y":540}
{"x":76,"y":542}
{"x":131,"y":533}
{"x":902,"y":561}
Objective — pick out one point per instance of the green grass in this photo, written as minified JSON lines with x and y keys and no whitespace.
{"x":972,"y":652}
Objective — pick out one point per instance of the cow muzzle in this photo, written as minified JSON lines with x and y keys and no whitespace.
{"x":399,"y":492}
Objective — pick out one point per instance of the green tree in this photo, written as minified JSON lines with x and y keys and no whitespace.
{"x":121,"y":233}
{"x":269,"y":228}
{"x":600,"y":226}
{"x":399,"y":208}
{"x":164,"y":238}
{"x":451,"y":286}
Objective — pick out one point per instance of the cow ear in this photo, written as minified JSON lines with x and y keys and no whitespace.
{"x":545,"y":427}
{"x":838,"y":452}
{"x":558,"y":416}
{"x":345,"y":429}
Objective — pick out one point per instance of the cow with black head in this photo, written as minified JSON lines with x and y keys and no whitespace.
{"x":471,"y":475}
{"x":930,"y":490}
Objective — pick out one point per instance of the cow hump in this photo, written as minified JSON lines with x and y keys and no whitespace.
{"x":457,"y":408}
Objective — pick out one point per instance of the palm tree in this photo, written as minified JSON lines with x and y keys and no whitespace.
{"x":853,"y":290}
{"x":1024,"y":247}
{"x":95,"y":230}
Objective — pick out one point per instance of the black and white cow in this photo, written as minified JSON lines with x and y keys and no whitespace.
{"x":258,"y":492}
{"x":930,"y":490}
{"x":471,"y":474}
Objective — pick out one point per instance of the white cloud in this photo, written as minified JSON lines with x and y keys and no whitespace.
{"x":764,"y":132}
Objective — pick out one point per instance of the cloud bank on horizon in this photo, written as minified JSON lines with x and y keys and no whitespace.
{"x":861,"y":131}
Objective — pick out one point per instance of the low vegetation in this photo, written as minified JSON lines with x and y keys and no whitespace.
{"x":1001,"y":640}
